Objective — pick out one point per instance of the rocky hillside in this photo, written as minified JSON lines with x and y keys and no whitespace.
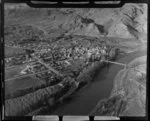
{"x":130,"y":21}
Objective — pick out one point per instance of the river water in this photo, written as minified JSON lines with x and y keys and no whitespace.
{"x":87,"y":98}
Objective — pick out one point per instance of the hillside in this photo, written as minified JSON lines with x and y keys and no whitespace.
{"x":130,"y":21}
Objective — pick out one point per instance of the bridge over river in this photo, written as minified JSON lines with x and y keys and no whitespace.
{"x":57,"y":72}
{"x":117,"y":63}
{"x":83,"y":101}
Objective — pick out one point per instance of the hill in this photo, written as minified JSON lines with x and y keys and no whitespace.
{"x":130,"y":21}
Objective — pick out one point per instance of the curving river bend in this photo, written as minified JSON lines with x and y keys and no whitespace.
{"x":87,"y":98}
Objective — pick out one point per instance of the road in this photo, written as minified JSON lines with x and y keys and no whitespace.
{"x":39,"y":60}
{"x":26,"y":75}
{"x":22,"y":48}
{"x":48,"y":66}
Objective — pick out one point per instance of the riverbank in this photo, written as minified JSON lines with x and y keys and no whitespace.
{"x":85,"y":77}
{"x":128,"y":96}
{"x":49,"y":94}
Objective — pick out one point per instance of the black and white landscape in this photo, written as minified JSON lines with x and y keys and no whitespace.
{"x":75,"y":61}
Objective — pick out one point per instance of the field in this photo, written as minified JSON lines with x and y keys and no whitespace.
{"x":11,"y":51}
{"x":13,"y":71}
{"x":21,"y":84}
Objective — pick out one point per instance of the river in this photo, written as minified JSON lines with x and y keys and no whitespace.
{"x":87,"y":98}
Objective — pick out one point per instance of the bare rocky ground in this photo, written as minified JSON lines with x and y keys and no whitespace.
{"x":124,"y":28}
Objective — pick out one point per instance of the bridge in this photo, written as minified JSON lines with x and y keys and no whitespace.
{"x":126,"y":66}
{"x":58,"y":73}
{"x":117,"y":63}
{"x":55,"y":70}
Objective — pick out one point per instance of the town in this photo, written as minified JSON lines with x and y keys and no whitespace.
{"x":64,"y":59}
{"x":58,"y":64}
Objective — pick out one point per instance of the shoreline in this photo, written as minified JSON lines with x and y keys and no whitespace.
{"x":112,"y":93}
